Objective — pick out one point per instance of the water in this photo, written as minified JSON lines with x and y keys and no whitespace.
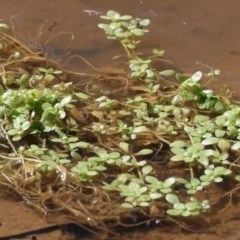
{"x":189,"y":31}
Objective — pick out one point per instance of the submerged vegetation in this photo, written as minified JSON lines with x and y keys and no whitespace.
{"x":110,"y":150}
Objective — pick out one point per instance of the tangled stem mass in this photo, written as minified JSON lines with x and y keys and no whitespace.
{"x":109,"y":148}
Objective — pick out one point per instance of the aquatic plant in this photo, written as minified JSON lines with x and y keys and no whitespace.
{"x":105,"y":159}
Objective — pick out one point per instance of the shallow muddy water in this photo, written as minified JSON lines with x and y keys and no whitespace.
{"x":190,"y":32}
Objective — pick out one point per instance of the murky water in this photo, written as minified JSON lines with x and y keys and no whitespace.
{"x":189,"y":31}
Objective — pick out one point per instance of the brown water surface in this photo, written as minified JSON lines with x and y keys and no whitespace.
{"x":205,"y":31}
{"x":189,"y":31}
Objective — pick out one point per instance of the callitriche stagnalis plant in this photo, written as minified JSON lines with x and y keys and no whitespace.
{"x":117,"y":152}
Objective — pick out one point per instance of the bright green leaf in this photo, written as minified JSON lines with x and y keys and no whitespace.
{"x":197,"y":76}
{"x":210,"y":141}
{"x":167,"y":73}
{"x":146,"y":170}
{"x":178,"y":144}
{"x":137,"y":32}
{"x":144,"y":22}
{"x":171,"y":198}
{"x":4,"y":25}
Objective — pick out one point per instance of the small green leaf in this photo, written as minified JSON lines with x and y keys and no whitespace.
{"x":203,"y":160}
{"x":40,"y":69}
{"x":177,"y":99}
{"x":171,"y":198}
{"x":205,"y":178}
{"x":221,"y":170}
{"x":24,"y":80}
{"x":150,"y":74}
{"x":219,"y":133}
{"x":178,"y":151}
{"x":4,"y":25}
{"x":191,"y":191}
{"x":137,"y":32}
{"x":146,"y":170}
{"x":191,"y":206}
{"x":210,"y":141}
{"x":127,"y":205}
{"x":82,"y":95}
{"x":124,"y":112}
{"x":62,"y":114}
{"x":16,"y":138}
{"x":57,"y":72}
{"x":92,"y":173}
{"x":158,"y":53}
{"x":237,"y":178}
{"x":169,"y":181}
{"x":144,"y":204}
{"x":124,"y":146}
{"x":83,"y":145}
{"x":103,"y":26}
{"x":151,"y":179}
{"x":218,"y":179}
{"x":141,"y":129}
{"x":111,"y":37}
{"x":180,"y":78}
{"x":155,"y":195}
{"x":142,"y":163}
{"x":12,"y":132}
{"x":224,"y":145}
{"x":131,"y":46}
{"x":174,"y":212}
{"x":179,"y":206}
{"x":1,"y":93}
{"x":65,"y":101}
{"x":76,"y":156}
{"x":236,"y":146}
{"x":127,"y":34}
{"x":100,"y":168}
{"x":201,"y":118}
{"x":126,"y":17}
{"x":143,"y":152}
{"x":144,"y":22}
{"x":177,"y":158}
{"x":178,"y":144}
{"x":115,"y":25}
{"x":26,"y":125}
{"x":167,"y":73}
{"x":196,"y":76}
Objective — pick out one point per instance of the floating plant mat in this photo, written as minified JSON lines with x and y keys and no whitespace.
{"x":111,"y":149}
